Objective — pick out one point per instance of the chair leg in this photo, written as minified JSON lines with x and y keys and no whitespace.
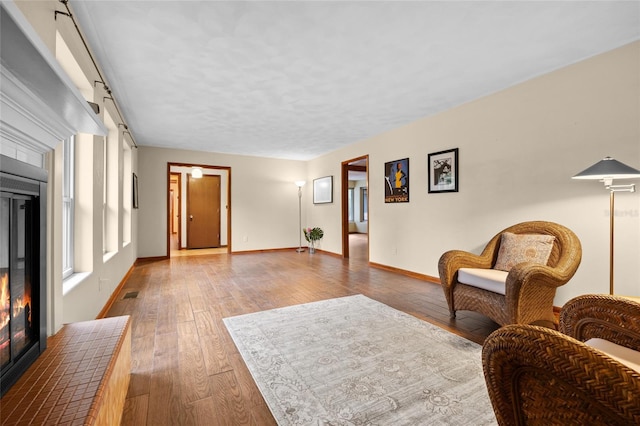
{"x":452,"y":313}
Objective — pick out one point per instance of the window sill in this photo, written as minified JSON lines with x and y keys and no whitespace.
{"x":73,"y":281}
{"x":108,"y":255}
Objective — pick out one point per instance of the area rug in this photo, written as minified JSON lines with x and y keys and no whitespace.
{"x":355,"y":361}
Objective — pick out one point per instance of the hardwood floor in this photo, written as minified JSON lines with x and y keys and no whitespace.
{"x":186,"y":369}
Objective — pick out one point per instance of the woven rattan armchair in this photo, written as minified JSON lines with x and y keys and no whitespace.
{"x":529,"y":289}
{"x":539,"y":376}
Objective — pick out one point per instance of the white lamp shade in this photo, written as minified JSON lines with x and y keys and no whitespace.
{"x":608,"y":168}
{"x":300,"y":183}
{"x":196,"y":172}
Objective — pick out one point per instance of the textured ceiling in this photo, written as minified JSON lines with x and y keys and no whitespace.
{"x":300,"y":79}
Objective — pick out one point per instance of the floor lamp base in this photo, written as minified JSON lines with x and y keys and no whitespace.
{"x":300,"y":250}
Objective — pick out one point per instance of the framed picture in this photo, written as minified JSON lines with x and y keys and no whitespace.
{"x":323,"y":190}
{"x":396,"y":181}
{"x":135,"y":191}
{"x":443,"y":171}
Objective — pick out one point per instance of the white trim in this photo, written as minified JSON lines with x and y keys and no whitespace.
{"x":73,"y":281}
{"x":40,"y":104}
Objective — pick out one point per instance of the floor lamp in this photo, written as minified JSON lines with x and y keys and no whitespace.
{"x":300,"y":184}
{"x":606,"y":170}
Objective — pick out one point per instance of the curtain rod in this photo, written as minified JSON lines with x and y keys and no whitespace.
{"x":95,"y":65}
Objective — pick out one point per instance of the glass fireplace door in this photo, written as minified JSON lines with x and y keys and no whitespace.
{"x":17,"y":327}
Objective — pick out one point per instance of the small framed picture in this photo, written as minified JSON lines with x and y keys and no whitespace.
{"x":323,"y":190}
{"x":443,"y":171}
{"x":135,"y":191}
{"x":396,"y":181}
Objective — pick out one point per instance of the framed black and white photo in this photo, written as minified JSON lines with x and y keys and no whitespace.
{"x":443,"y":171}
{"x":323,"y":190}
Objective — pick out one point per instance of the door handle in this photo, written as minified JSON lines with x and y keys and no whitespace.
{"x":191,"y":217}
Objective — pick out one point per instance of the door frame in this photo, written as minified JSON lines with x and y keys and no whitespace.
{"x":228,"y":206}
{"x":345,"y":167}
{"x":179,"y":213}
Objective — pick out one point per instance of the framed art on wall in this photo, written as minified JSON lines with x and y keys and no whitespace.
{"x":323,"y":190}
{"x":443,"y":171}
{"x":135,"y":191}
{"x":396,"y":185}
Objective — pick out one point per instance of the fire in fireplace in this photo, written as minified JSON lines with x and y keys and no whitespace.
{"x":22,"y":268}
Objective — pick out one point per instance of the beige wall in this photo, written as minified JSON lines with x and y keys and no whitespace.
{"x":518,"y":151}
{"x":100,"y":274}
{"x":264,"y":199}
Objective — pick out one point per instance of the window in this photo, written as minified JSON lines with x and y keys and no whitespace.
{"x":110,"y":194}
{"x":105,"y":171}
{"x":351,"y":204}
{"x":126,"y":194}
{"x":364,"y":205}
{"x":67,"y":206}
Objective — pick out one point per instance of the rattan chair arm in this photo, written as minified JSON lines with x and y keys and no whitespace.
{"x":612,"y":318}
{"x":453,"y":260}
{"x":536,"y":375}
{"x":532,"y":274}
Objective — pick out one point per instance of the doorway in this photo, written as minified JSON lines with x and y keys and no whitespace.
{"x":355,"y":209}
{"x":186,"y":198}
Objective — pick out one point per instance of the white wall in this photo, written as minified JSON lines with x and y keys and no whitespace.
{"x":263,"y":202}
{"x":518,"y":151}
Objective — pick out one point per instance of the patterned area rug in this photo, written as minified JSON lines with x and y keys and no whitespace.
{"x":355,"y":361}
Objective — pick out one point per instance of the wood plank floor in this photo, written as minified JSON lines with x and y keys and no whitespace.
{"x":186,"y":369}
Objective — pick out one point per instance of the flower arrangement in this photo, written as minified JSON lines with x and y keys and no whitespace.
{"x":313,"y":234}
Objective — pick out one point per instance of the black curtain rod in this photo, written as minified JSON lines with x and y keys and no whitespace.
{"x":95,"y":65}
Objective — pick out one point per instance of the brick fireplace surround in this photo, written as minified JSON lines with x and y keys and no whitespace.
{"x":81,"y":379}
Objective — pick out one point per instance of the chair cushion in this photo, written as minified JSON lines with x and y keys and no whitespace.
{"x":622,"y":354}
{"x":518,"y":248}
{"x":486,"y":279}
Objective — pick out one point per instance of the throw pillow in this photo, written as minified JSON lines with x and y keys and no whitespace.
{"x":518,"y":248}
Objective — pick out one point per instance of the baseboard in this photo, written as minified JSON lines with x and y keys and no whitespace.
{"x":265,"y":250}
{"x":150,"y":259}
{"x":411,"y":274}
{"x":114,"y":295}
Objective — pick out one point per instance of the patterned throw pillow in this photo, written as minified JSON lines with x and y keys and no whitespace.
{"x":518,"y":248}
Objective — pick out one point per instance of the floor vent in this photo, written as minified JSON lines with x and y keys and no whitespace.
{"x":131,"y":295}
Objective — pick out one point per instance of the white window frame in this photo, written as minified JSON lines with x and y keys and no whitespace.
{"x":68,"y":204}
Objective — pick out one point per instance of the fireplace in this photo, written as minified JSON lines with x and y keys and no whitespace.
{"x":23,"y":330}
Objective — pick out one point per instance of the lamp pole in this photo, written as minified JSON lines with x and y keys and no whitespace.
{"x":606,"y":170}
{"x":300,"y":184}
{"x":612,"y":190}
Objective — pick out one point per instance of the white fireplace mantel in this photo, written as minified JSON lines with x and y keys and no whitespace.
{"x":40,"y":106}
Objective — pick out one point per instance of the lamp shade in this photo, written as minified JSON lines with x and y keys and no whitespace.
{"x":300,"y":183}
{"x":608,"y":168}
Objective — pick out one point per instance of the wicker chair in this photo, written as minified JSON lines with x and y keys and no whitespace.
{"x":538,"y":376}
{"x":529,"y":288}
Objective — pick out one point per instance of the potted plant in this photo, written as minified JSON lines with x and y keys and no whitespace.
{"x":312,"y":235}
